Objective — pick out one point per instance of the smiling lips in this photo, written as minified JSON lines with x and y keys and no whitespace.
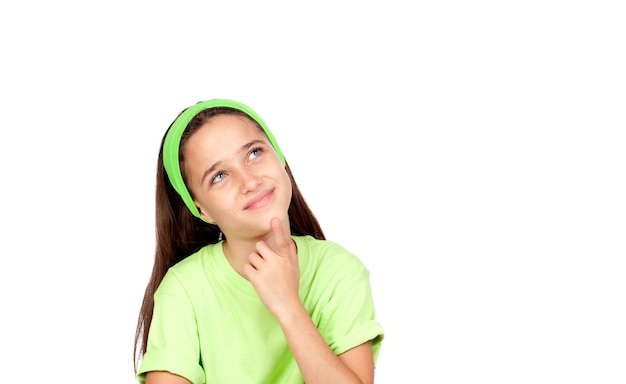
{"x":260,"y":200}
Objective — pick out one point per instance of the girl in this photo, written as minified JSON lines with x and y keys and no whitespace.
{"x":245,"y":288}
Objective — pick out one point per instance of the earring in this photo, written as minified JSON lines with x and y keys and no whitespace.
{"x":220,"y":237}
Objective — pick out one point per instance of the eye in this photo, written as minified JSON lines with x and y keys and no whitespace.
{"x":255,"y":152}
{"x":218,"y":177}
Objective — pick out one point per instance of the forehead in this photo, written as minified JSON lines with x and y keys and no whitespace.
{"x":228,"y":120}
{"x":222,"y":133}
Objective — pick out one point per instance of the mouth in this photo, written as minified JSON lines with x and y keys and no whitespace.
{"x":260,"y":200}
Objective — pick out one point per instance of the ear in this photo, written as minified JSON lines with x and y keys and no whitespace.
{"x":203,"y":213}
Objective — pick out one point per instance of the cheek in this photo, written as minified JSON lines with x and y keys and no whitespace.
{"x":217,"y":209}
{"x":211,"y":202}
{"x":287,"y":183}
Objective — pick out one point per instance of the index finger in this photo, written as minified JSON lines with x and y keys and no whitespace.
{"x":281,"y":239}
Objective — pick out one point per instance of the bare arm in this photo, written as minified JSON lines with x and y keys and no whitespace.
{"x":275,"y":275}
{"x":164,"y":377}
{"x":317,"y":362}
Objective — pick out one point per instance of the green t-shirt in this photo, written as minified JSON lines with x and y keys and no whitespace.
{"x":210,"y":326}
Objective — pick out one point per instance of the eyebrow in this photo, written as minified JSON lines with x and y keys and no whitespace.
{"x":243,"y":148}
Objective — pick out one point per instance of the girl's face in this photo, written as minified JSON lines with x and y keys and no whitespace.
{"x":236,"y":177}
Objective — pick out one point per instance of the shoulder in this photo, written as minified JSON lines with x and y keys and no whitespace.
{"x":186,"y":270}
{"x":191,"y":262}
{"x":328,"y":255}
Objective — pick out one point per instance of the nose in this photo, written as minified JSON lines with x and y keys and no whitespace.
{"x":250,"y":180}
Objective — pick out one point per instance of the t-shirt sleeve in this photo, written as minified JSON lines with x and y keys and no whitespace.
{"x":349,"y":318}
{"x":173,"y":337}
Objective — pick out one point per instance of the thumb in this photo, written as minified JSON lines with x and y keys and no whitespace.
{"x":293,"y":252}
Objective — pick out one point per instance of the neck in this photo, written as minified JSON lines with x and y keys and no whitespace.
{"x":237,"y":254}
{"x":238,"y":251}
{"x":238,"y":248}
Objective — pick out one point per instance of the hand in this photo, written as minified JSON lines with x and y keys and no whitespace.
{"x":274,"y":272}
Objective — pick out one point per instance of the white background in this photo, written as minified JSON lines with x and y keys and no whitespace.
{"x":470,"y":153}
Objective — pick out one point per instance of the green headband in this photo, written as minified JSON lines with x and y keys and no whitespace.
{"x":171,"y":144}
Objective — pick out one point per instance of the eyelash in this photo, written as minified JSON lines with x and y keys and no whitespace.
{"x":256,"y":149}
{"x":214,"y":177}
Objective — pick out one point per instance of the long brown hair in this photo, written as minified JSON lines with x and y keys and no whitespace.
{"x":180,"y":234}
